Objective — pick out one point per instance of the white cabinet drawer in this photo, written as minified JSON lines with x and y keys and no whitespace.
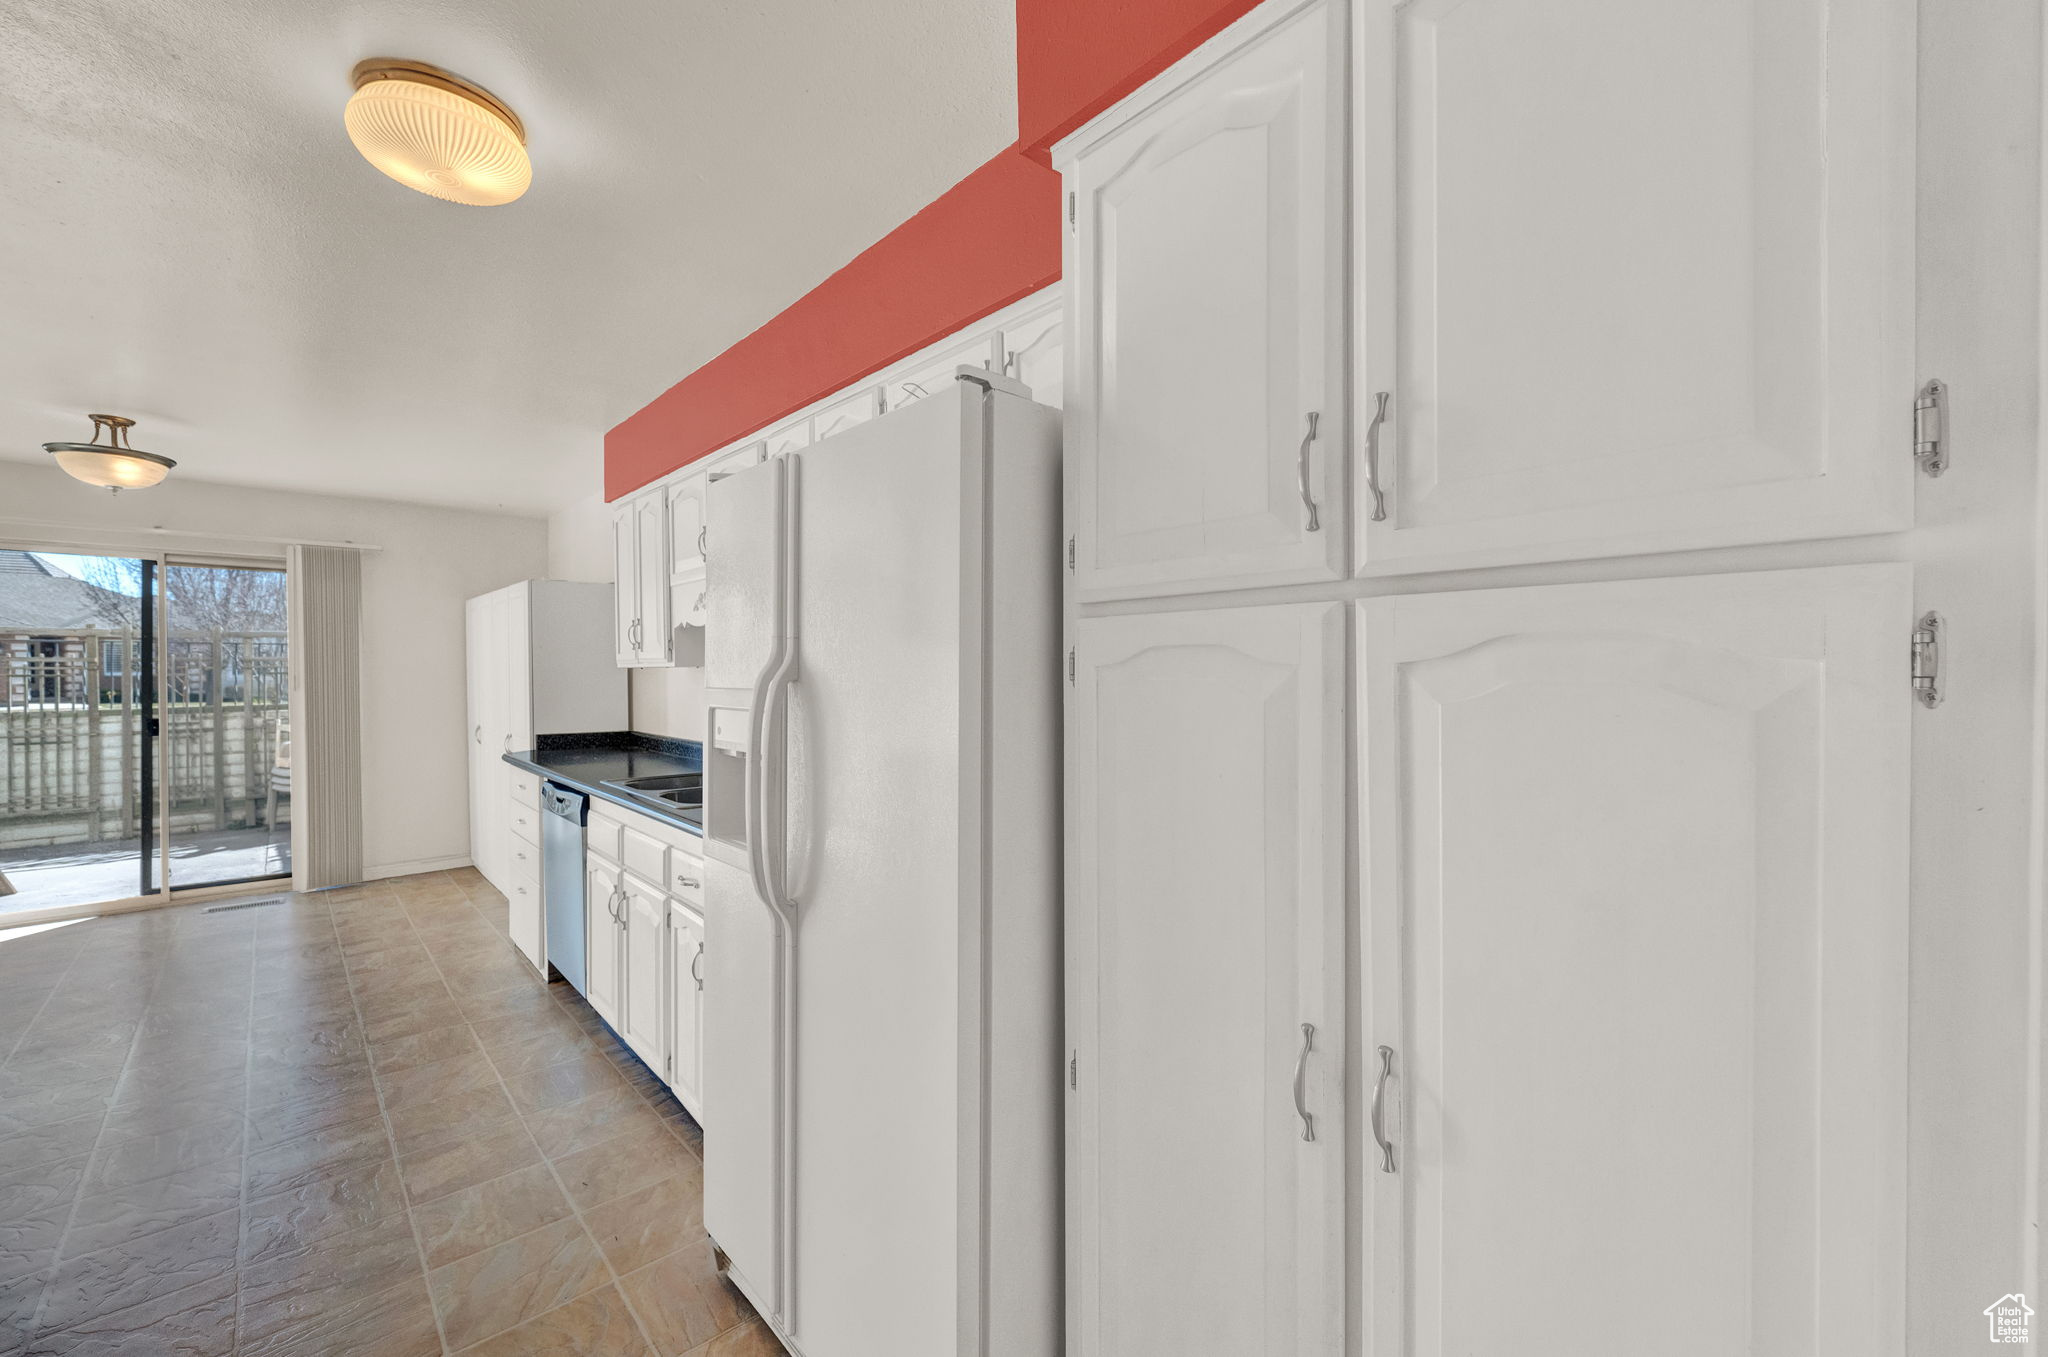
{"x":603,"y":832}
{"x":644,"y":854}
{"x":686,"y":877}
{"x":524,"y":859}
{"x":525,"y":820}
{"x":525,"y":786}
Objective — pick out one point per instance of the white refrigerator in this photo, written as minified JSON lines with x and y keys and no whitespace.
{"x":883,"y":1068}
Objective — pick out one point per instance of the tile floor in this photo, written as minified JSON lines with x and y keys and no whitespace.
{"x":348,"y":1123}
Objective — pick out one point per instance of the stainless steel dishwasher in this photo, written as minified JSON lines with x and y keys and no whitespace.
{"x":561,"y":865}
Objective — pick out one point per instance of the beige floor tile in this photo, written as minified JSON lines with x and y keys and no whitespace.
{"x":683,"y":1301}
{"x":395,"y":1322}
{"x":595,"y":1325}
{"x":653,"y":1222}
{"x":425,"y":1083}
{"x":489,"y":1213}
{"x":355,"y":1196}
{"x":574,"y":1126}
{"x":749,"y":1339}
{"x":423,"y":1048}
{"x":35,"y":1205}
{"x":510,"y":1283}
{"x":625,"y":1163}
{"x":316,"y":1155}
{"x":465,"y":1163}
{"x":580,"y":1076}
{"x":140,"y":1270}
{"x":159,"y":1203}
{"x":468,"y":1115}
{"x":198,"y":1321}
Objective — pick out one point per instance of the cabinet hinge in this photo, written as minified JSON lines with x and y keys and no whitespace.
{"x":1074,"y":1070}
{"x":1930,"y":428}
{"x":1070,"y":555}
{"x":1070,"y":209}
{"x":1927,"y":659}
{"x":1070,"y":666}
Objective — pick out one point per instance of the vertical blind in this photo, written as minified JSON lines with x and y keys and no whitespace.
{"x":326,"y":689}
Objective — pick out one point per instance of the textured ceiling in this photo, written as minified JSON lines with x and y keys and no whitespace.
{"x":187,"y":237}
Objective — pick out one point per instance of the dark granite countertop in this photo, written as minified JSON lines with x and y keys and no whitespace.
{"x":587,"y":762}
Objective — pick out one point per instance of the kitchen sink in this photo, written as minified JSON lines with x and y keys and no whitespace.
{"x":668,"y":789}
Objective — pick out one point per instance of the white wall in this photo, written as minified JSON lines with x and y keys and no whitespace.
{"x":415,"y":696}
{"x":664,"y":701}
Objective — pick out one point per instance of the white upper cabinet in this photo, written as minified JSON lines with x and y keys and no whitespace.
{"x":650,"y":512}
{"x":686,"y":528}
{"x":1633,"y":277}
{"x":1634,"y":889}
{"x":1035,"y":353}
{"x":625,"y":585}
{"x":1205,"y":984}
{"x":936,"y":370}
{"x":1205,"y":261}
{"x":793,"y":437}
{"x":856,"y":407}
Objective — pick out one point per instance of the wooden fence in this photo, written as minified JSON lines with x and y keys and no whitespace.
{"x":71,"y":727}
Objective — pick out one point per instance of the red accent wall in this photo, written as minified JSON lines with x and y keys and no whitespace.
{"x":988,"y":240}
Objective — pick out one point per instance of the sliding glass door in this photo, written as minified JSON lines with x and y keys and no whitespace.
{"x":224,"y":739}
{"x":145,"y":738}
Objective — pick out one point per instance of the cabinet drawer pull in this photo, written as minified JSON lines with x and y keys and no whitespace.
{"x":1379,"y":1097}
{"x":697,"y":966}
{"x":1308,"y":1041}
{"x":688,"y":883}
{"x":1372,"y":455}
{"x":1308,"y":501}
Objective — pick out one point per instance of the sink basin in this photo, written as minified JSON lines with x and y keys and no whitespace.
{"x":682,"y":790}
{"x":659,"y":783}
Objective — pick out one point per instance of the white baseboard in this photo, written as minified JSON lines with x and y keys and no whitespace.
{"x":415,"y":867}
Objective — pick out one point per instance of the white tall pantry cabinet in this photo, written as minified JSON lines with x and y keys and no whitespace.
{"x":539,"y":664}
{"x":1497,"y":969}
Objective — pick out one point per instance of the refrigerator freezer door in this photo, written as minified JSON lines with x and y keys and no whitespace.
{"x":739,"y":575}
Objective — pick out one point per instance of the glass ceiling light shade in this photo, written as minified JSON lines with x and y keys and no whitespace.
{"x":437,"y":133}
{"x":112,"y":465}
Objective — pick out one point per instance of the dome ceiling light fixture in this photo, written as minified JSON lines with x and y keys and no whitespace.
{"x":436,"y":132}
{"x":111,"y":465}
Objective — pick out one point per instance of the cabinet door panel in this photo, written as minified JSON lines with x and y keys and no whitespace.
{"x":1198,"y":946}
{"x":1636,"y":277}
{"x":602,"y":956}
{"x":651,"y":555}
{"x":1035,"y":353}
{"x":686,"y":1007}
{"x":643,"y":1003}
{"x":1634,"y":911}
{"x":686,"y":528}
{"x":625,"y":585}
{"x":1207,"y":270}
{"x":937,"y":370}
{"x":856,"y":408}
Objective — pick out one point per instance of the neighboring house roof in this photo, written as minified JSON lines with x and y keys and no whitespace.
{"x":36,"y":597}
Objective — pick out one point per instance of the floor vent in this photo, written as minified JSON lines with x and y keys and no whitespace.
{"x":244,"y":904}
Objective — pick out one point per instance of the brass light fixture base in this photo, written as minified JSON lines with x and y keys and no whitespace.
{"x":420,"y":73}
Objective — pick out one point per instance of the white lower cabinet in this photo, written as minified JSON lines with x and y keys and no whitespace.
{"x":643,"y":1005}
{"x":686,"y":1006}
{"x":603,"y":948}
{"x":1634,"y":914}
{"x":1205,"y":999}
{"x":646,"y":962}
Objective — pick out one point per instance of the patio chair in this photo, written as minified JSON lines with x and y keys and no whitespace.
{"x":280,"y":771}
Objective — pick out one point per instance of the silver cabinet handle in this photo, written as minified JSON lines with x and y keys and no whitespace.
{"x":1308,"y":1040}
{"x":1308,"y":501}
{"x":701,"y":531}
{"x":696,"y":965}
{"x":479,"y":734}
{"x":1379,"y":1097}
{"x":1372,"y":455}
{"x":690,"y":882}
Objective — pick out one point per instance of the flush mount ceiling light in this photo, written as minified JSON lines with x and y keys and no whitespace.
{"x":112,"y":465}
{"x":438,"y":133}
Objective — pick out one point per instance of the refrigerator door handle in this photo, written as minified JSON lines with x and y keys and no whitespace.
{"x":755,"y":800}
{"x":774,"y":811}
